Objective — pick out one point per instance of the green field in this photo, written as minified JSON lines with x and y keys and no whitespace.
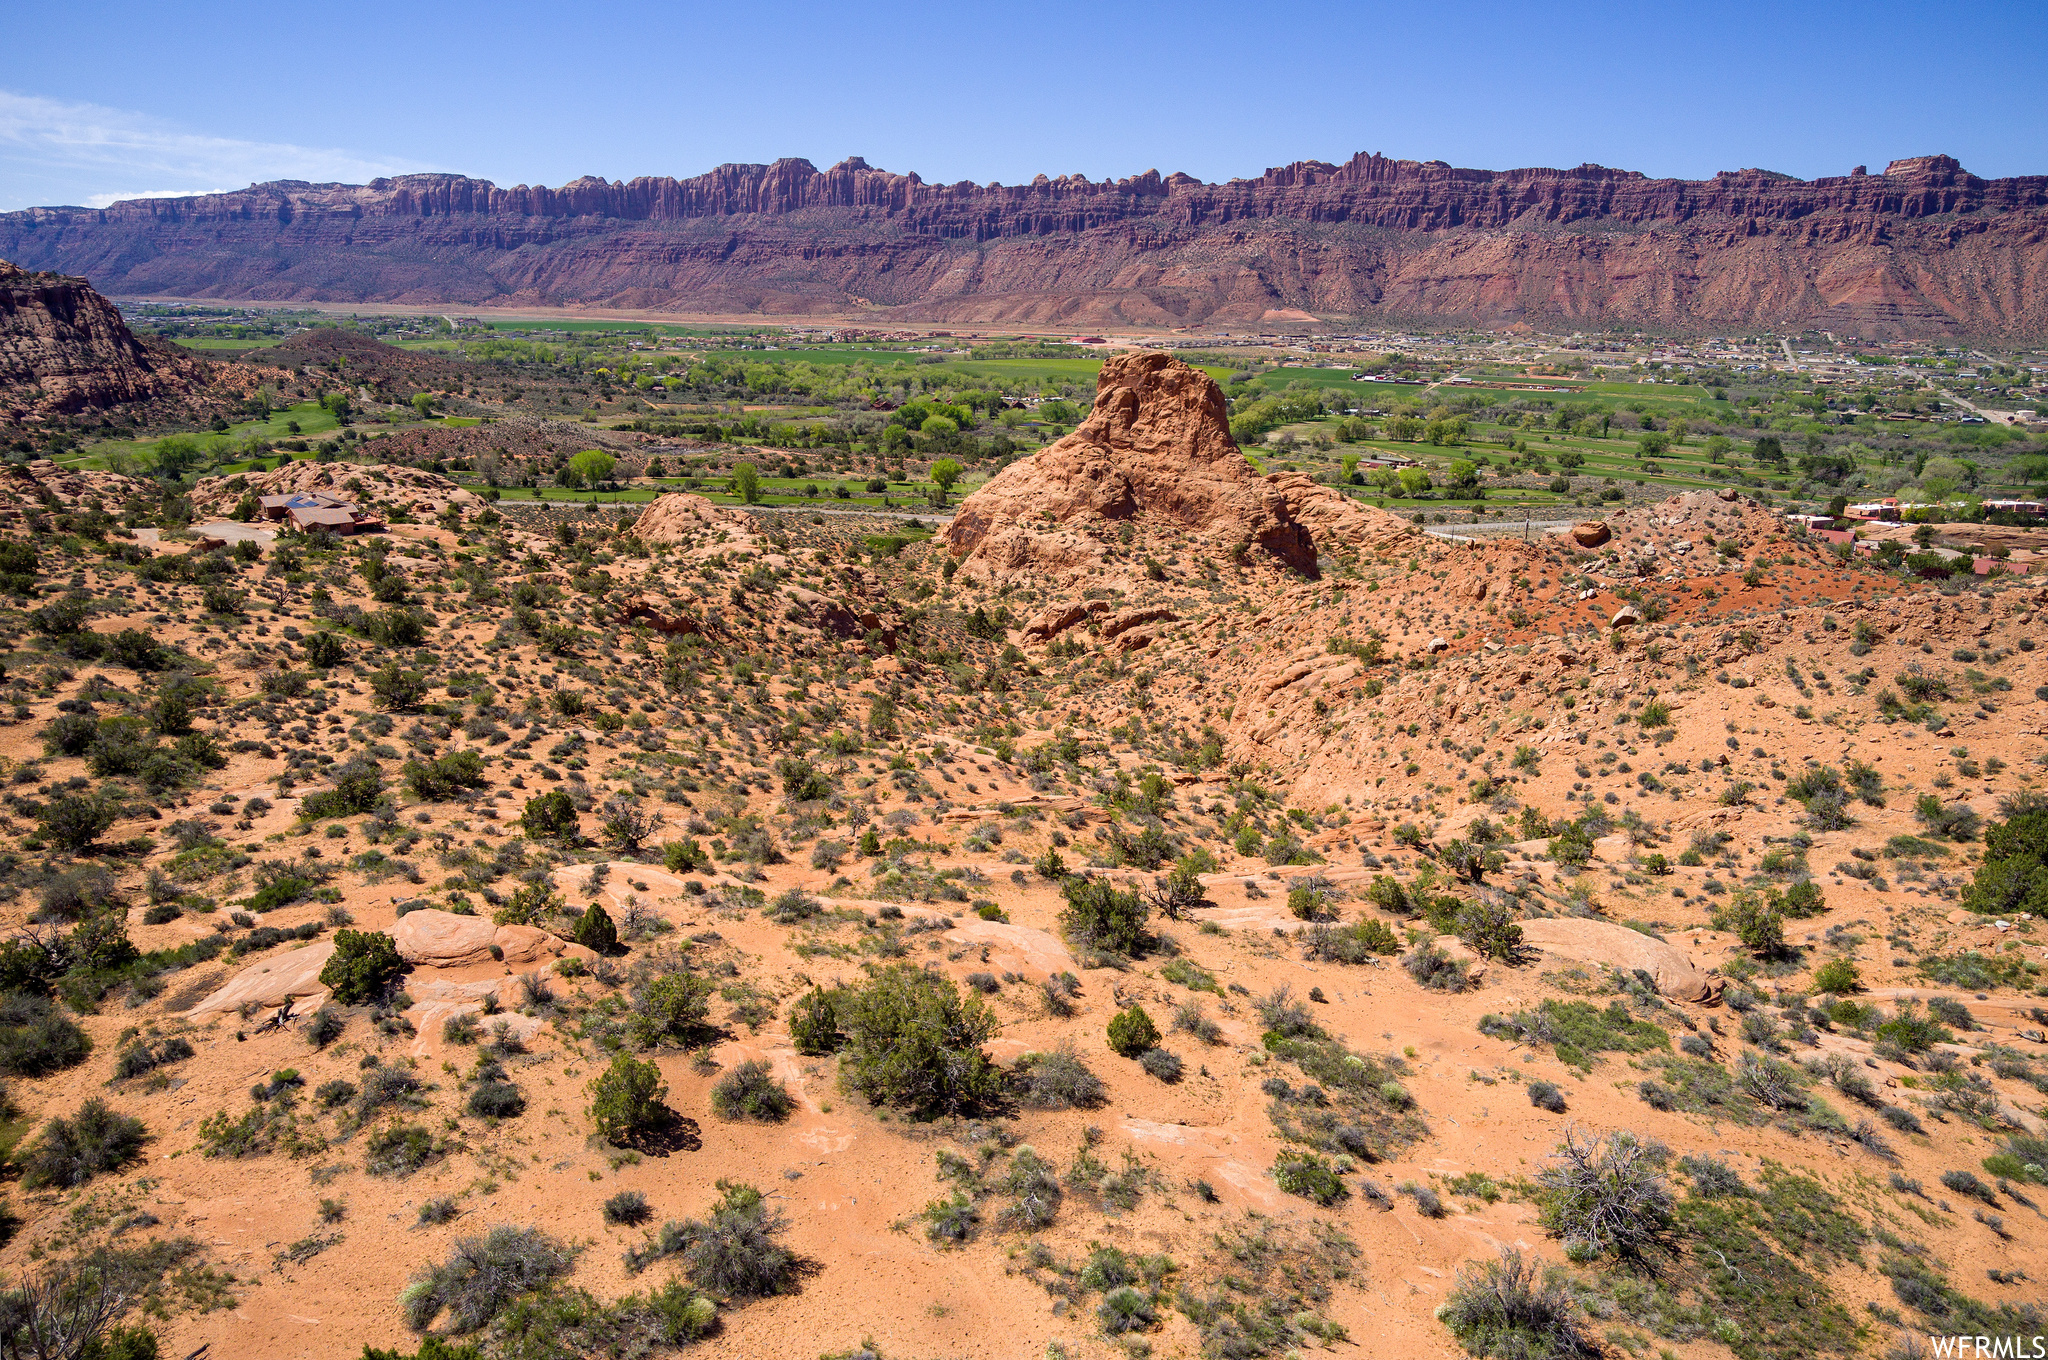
{"x":314,"y":420}
{"x":209,"y":344}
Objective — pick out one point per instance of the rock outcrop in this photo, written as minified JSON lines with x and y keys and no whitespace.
{"x":424,"y":494}
{"x":1155,"y":449}
{"x":1924,"y":247}
{"x":65,"y":349}
{"x":1614,"y":946}
{"x":693,"y":523}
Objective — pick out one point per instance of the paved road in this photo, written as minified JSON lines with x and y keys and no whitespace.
{"x":1995,"y":417}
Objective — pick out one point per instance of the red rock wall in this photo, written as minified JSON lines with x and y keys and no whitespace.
{"x":1923,"y":248}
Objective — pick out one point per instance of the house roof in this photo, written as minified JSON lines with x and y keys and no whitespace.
{"x":323,"y":515}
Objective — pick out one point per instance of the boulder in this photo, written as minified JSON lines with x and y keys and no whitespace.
{"x":1438,"y":644}
{"x":1055,"y":619}
{"x":1626,"y":617}
{"x":274,"y":981}
{"x":1606,"y":943}
{"x":1591,"y":534}
{"x":442,"y":939}
{"x":531,"y":944}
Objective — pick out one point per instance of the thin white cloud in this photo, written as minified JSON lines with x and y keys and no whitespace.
{"x":91,"y":150}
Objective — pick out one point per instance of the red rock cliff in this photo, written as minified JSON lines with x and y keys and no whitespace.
{"x":64,"y":348}
{"x":1923,"y":247}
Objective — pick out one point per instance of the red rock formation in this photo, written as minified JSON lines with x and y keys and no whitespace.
{"x":1155,"y":449}
{"x":65,"y":349}
{"x":1924,"y":247}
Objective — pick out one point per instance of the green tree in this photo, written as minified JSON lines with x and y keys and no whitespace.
{"x":944,"y":473}
{"x":396,"y":688}
{"x":1100,"y":915}
{"x":363,"y":966}
{"x":626,"y":1099}
{"x":551,"y":814}
{"x":1131,"y":1032}
{"x":746,"y":483}
{"x":423,"y":402}
{"x":595,"y":931}
{"x":593,"y":466}
{"x":913,"y":1041}
{"x":75,"y":823}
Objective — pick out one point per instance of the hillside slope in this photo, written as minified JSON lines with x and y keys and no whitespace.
{"x":1113,"y":930}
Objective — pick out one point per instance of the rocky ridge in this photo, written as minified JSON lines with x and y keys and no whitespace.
{"x":1922,"y":248}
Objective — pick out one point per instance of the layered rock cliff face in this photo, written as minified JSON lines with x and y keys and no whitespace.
{"x":65,"y":349}
{"x":1155,"y":451}
{"x":1924,"y":247}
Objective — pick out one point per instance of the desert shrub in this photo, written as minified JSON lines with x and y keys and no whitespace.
{"x":750,"y":1091}
{"x":1712,"y":1178}
{"x":1577,"y":1031}
{"x":1310,"y":1176}
{"x":1436,"y":970}
{"x":1125,"y":1310}
{"x":734,"y":1253}
{"x":134,"y":1342}
{"x":75,"y":823}
{"x":495,"y":1098}
{"x":913,"y":1041}
{"x":1161,"y":1064}
{"x":1512,"y":1309}
{"x":399,"y":1149}
{"x":814,"y":1023}
{"x":364,"y":964}
{"x":670,"y":1008}
{"x":1838,"y":977}
{"x":1947,"y":1010}
{"x":462,"y":1028}
{"x":1756,"y":920}
{"x":143,"y":1056}
{"x":1491,"y":930}
{"x":1951,"y":821}
{"x":628,"y":1208}
{"x":70,"y":1152}
{"x":1607,"y":1196}
{"x":36,"y":1039}
{"x":358,"y":788}
{"x":439,"y":779}
{"x":1427,"y":1202}
{"x":483,"y":1275}
{"x":1355,"y":943}
{"x":1131,"y":1032}
{"x":324,"y":1026}
{"x":1546,"y":1095}
{"x":551,"y":814}
{"x":950,"y":1221}
{"x":1977,"y":972}
{"x":439,"y":1209}
{"x":626,"y":1099}
{"x":1098,"y":915}
{"x":1035,"y":1186}
{"x":1911,"y":1031}
{"x":1056,"y":1080}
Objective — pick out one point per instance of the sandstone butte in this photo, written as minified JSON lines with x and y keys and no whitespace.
{"x":781,"y":763}
{"x":1923,"y":248}
{"x":64,"y":348}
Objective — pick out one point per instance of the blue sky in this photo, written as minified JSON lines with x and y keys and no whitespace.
{"x":212,"y":94}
